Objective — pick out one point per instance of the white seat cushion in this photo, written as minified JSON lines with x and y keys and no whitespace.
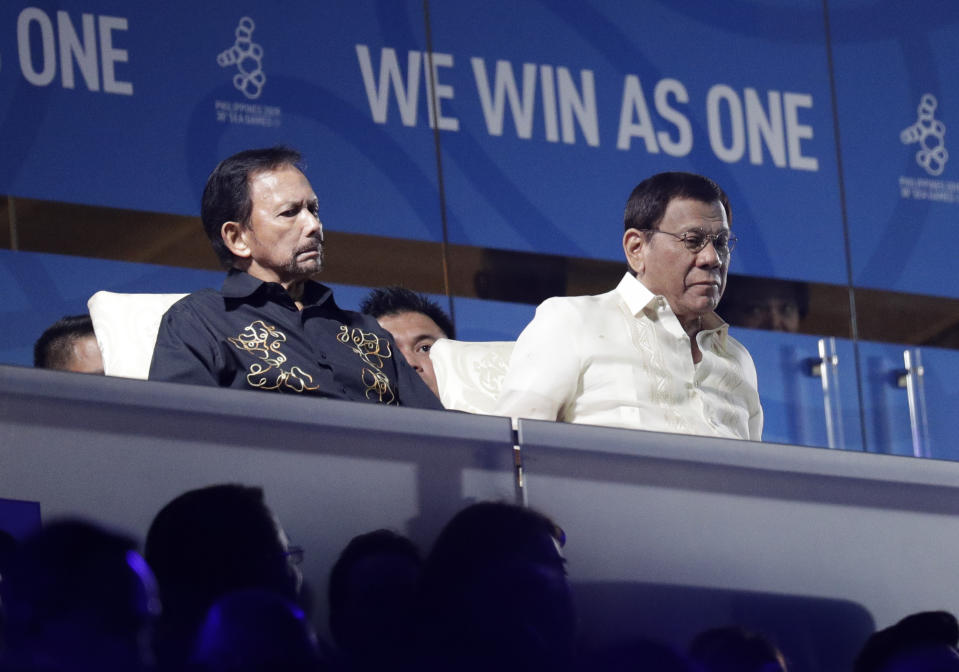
{"x":469,"y":374}
{"x":126,"y":326}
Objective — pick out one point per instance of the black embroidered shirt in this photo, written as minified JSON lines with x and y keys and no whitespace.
{"x":250,"y":335}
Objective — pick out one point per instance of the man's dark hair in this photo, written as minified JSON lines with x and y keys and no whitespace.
{"x":647,"y":204}
{"x":395,"y":300}
{"x":54,"y":348}
{"x":226,"y":197}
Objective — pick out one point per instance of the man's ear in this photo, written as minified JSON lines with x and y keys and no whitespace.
{"x":634,"y":245}
{"x":234,"y":237}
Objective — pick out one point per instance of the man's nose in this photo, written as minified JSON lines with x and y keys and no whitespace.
{"x":709,"y":256}
{"x":412,"y":359}
{"x":314,"y":225}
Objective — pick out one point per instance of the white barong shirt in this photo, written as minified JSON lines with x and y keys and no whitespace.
{"x":622,"y":359}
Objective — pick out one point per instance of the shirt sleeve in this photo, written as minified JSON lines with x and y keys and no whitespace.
{"x":184,"y":352}
{"x":755,"y":406}
{"x":544,"y":369}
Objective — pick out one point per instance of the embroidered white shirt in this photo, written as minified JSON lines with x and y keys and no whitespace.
{"x":622,"y":359}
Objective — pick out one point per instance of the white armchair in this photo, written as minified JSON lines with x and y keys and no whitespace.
{"x":469,"y":374}
{"x":126,"y":327}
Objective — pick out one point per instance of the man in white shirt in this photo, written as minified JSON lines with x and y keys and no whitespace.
{"x":652,"y":353}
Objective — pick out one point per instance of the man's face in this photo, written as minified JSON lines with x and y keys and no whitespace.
{"x":86,"y":356}
{"x":770,"y":311}
{"x":285,"y":236}
{"x":415,"y":334}
{"x":692,"y":282}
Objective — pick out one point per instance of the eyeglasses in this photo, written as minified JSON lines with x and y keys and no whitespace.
{"x":294,"y":554}
{"x":696,"y":240}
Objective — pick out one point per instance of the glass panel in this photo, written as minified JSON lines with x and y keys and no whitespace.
{"x":890,"y":425}
{"x":795,"y":405}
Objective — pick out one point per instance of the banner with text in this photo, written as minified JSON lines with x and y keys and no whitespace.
{"x":547,"y":114}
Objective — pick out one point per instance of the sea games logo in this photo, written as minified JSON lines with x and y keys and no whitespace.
{"x":245,"y":58}
{"x":929,"y":134}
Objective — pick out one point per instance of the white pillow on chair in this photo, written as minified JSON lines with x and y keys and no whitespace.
{"x":469,"y":374}
{"x":126,"y":327}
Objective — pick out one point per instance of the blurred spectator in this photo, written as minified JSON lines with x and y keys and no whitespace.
{"x":69,"y":345}
{"x":207,"y":543}
{"x":78,"y":599}
{"x":735,"y":649}
{"x":494,"y":594}
{"x":255,"y":630}
{"x":372,"y":589}
{"x":415,"y":321}
{"x":765,"y":303}
{"x":926,"y":642}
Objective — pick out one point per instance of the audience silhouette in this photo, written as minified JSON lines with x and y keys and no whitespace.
{"x":371,"y":593}
{"x":78,"y":598}
{"x":491,"y":595}
{"x":494,"y":594}
{"x":207,"y":543}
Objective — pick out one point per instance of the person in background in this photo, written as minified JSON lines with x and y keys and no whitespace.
{"x":765,"y":303}
{"x":372,"y":590}
{"x":69,"y":344}
{"x":416,"y":323}
{"x":78,"y":598}
{"x":494,"y":594}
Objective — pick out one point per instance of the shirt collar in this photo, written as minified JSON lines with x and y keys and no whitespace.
{"x":241,"y":285}
{"x":638,"y":298}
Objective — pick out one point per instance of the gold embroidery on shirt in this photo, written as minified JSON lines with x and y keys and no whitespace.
{"x":373,"y":351}
{"x":263,"y":340}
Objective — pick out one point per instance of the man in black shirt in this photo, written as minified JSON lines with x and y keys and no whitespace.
{"x":271,"y":327}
